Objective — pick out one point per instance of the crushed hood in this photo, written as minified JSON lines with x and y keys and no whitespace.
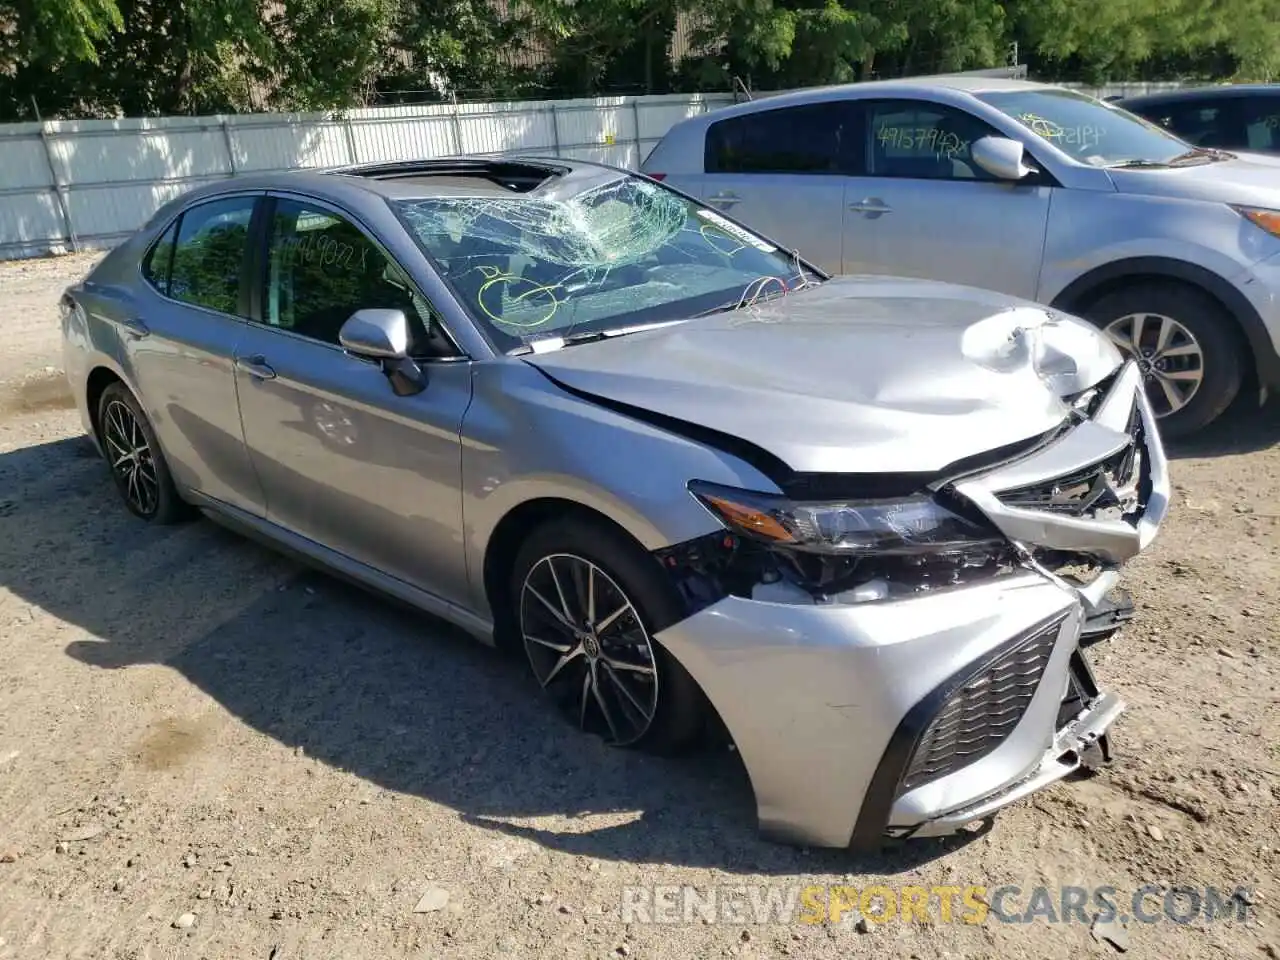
{"x":858,"y":375}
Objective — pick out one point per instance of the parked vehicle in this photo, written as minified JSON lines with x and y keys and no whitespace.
{"x":1027,"y":189}
{"x":1231,"y":117}
{"x":686,"y":472}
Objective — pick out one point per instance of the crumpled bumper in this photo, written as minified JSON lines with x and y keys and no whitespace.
{"x":859,"y":721}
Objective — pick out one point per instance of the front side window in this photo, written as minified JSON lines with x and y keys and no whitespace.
{"x":614,"y":255}
{"x":813,"y":139}
{"x":209,"y":255}
{"x":923,"y":141}
{"x":1089,"y":130}
{"x":322,"y":268}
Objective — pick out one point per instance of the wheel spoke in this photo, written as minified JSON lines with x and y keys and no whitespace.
{"x":604,"y":707}
{"x":616,"y":664}
{"x":586,"y":689}
{"x":591,"y":593}
{"x":1183,"y":350}
{"x":1120,"y":340}
{"x":1185,"y":376}
{"x":1171,"y":394}
{"x":609,"y":621}
{"x":564,"y":603}
{"x":1167,"y":328}
{"x":563,"y":662}
{"x":617,"y":682}
{"x":1137,"y":326}
{"x":561,"y":648}
{"x":559,"y":617}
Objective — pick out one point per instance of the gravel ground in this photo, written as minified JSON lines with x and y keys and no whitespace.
{"x":206,"y":751}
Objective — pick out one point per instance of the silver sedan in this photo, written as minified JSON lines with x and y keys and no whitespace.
{"x":690,"y":476}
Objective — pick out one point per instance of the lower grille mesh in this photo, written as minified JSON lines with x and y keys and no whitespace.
{"x":977,"y":717}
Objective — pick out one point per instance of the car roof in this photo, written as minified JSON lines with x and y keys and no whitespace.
{"x":879,"y":88}
{"x":474,"y":176}
{"x":1192,"y":94}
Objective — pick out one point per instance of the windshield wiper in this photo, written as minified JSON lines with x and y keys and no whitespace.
{"x":1201,"y":154}
{"x":1137,"y":164}
{"x":559,"y":341}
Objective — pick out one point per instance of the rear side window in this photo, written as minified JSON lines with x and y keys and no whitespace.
{"x":1202,"y":124}
{"x":209,"y":255}
{"x":814,"y":139}
{"x":1261,"y":123}
{"x":159,"y":259}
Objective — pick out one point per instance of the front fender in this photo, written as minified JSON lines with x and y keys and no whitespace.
{"x":526,"y":439}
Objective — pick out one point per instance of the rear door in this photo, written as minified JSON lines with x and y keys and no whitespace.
{"x":923,"y":208}
{"x":181,"y":344}
{"x":782,"y":171}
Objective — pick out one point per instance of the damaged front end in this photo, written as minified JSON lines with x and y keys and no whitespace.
{"x":924,"y":650}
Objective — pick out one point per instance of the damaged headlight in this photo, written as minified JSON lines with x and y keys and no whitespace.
{"x":901,"y":527}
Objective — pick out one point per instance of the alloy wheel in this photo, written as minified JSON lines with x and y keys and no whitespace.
{"x":1168,"y":355}
{"x":131,"y":458}
{"x":588,"y":647}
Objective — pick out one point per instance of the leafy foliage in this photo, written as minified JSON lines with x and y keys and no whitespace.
{"x":113,"y":57}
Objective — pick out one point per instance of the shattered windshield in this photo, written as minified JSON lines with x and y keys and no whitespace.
{"x":1089,"y":130}
{"x":618,"y":255}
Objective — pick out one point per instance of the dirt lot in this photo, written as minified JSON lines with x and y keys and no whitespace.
{"x":190,"y":724}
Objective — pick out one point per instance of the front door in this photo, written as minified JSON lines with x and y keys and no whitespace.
{"x":343,"y":460}
{"x":181,"y":344}
{"x":923,"y":208}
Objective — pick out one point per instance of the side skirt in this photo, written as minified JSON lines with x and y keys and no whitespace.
{"x":330,"y":561}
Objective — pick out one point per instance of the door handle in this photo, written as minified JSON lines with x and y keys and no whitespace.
{"x":871,"y":206}
{"x":136,"y":328}
{"x":724,"y":199}
{"x":256,"y":366}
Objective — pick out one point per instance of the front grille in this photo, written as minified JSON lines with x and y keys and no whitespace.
{"x":1107,"y":489}
{"x":977,"y":717}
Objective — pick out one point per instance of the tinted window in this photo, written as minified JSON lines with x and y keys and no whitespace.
{"x":810,"y":139}
{"x":209,"y":257}
{"x":1261,"y":123}
{"x":321,"y":268}
{"x":1202,"y":124}
{"x":156,"y":264}
{"x":924,"y":141}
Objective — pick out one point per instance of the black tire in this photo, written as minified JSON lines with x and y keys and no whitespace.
{"x":1211,"y":327}
{"x":161,"y":505}
{"x":678,"y":718}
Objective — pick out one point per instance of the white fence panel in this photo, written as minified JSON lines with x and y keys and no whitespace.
{"x":89,"y":183}
{"x":285,"y":143}
{"x":403,"y":138}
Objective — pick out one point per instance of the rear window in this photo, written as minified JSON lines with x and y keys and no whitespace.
{"x":815,"y":138}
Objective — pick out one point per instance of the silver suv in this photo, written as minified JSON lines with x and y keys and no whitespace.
{"x":1031,"y":190}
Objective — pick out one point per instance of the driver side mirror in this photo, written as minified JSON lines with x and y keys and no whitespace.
{"x":1002,"y":158}
{"x":382,"y":336}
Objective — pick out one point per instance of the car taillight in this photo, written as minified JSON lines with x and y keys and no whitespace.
{"x":657,"y":176}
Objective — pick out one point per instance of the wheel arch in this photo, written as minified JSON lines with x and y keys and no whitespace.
{"x":100,"y":377}
{"x":510,"y":533}
{"x":1263,"y":363}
